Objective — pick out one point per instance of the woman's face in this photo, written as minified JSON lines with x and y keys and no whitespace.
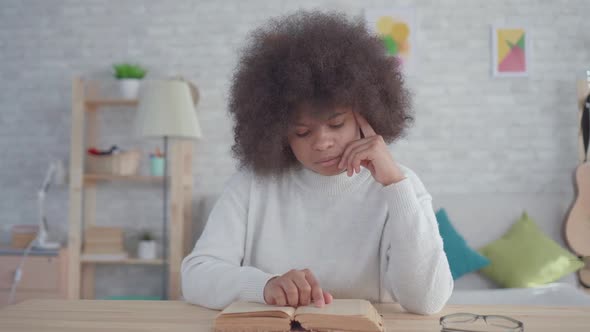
{"x":318,"y":139}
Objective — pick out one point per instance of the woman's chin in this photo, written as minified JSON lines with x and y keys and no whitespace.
{"x":328,"y":171}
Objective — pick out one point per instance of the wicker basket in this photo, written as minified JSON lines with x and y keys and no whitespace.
{"x":122,"y":163}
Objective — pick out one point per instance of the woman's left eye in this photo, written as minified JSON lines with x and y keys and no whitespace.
{"x":337,"y":125}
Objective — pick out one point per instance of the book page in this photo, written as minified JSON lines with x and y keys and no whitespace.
{"x":241,"y":307}
{"x":339,"y":307}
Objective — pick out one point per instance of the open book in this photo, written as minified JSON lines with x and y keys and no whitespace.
{"x":343,"y":315}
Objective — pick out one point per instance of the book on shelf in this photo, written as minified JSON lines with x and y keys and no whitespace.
{"x":101,"y":240}
{"x":104,"y":231}
{"x":341,"y":314}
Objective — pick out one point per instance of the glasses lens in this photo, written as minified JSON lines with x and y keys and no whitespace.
{"x":459,"y":318}
{"x":502,"y":321}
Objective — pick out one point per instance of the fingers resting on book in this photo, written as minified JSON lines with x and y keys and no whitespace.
{"x":296,"y":288}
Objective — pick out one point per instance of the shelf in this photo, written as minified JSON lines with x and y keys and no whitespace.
{"x":127,"y":261}
{"x":94,"y":104}
{"x":130,"y":178}
{"x":88,"y":99}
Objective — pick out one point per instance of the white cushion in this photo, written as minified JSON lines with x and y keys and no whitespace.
{"x":554,"y":294}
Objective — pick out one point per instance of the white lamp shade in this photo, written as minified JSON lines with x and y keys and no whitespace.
{"x":166,"y":108}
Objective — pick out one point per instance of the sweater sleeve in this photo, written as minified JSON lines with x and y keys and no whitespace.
{"x":417,"y":271}
{"x":212,"y":274}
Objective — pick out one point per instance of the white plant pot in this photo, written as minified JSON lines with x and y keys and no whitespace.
{"x":129,"y":88}
{"x":146,"y":250}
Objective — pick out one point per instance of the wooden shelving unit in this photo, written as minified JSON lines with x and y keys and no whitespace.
{"x":86,"y":104}
{"x":128,"y":261}
{"x":130,"y":178}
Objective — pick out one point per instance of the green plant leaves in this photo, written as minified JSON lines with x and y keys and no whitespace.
{"x":127,"y":70}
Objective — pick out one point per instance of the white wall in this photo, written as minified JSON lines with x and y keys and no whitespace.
{"x":482,"y":146}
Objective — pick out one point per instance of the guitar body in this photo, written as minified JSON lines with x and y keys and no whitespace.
{"x":584,"y":274}
{"x":577,"y":225}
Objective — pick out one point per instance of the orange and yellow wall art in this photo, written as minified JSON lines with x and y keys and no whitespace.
{"x":396,"y":29}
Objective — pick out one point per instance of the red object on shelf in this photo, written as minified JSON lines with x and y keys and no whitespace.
{"x":97,"y":152}
{"x":94,"y":151}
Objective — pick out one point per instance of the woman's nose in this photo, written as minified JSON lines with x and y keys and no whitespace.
{"x":323,"y":141}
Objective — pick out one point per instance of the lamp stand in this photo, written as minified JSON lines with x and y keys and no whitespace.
{"x":165,"y":225}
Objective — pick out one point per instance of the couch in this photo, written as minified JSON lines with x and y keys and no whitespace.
{"x":483,"y":218}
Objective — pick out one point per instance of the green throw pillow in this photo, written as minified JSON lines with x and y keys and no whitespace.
{"x":525,"y":257}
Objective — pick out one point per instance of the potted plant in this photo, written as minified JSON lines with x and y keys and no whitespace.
{"x":129,"y":76}
{"x":147,"y":246}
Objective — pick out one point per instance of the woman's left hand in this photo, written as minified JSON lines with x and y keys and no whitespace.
{"x":372,"y":153}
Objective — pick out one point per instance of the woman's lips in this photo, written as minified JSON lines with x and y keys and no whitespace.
{"x":329,"y":162}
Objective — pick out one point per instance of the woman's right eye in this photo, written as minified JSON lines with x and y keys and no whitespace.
{"x":303,"y":134}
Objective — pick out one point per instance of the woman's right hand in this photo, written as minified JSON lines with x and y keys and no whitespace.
{"x":296,"y":288}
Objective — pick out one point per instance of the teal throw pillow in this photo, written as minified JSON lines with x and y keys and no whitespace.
{"x":462,"y":259}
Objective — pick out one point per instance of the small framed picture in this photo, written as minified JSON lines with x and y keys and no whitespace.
{"x":511,"y":51}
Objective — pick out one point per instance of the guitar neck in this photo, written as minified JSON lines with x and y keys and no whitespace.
{"x":583,"y":91}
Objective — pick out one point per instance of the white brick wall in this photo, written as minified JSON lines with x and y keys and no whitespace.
{"x":474,"y":135}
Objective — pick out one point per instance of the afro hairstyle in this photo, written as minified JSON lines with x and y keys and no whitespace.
{"x":311,"y":58}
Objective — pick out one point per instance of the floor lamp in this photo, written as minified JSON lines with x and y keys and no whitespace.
{"x":166,"y":110}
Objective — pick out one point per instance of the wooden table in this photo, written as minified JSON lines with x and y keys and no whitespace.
{"x":174,"y":316}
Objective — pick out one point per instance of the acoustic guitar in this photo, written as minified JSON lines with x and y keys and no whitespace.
{"x":577,"y":225}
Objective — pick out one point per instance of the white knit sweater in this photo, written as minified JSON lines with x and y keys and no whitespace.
{"x":359,"y":238}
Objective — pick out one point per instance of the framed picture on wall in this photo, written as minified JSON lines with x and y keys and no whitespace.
{"x":396,"y":27}
{"x":511,"y":51}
